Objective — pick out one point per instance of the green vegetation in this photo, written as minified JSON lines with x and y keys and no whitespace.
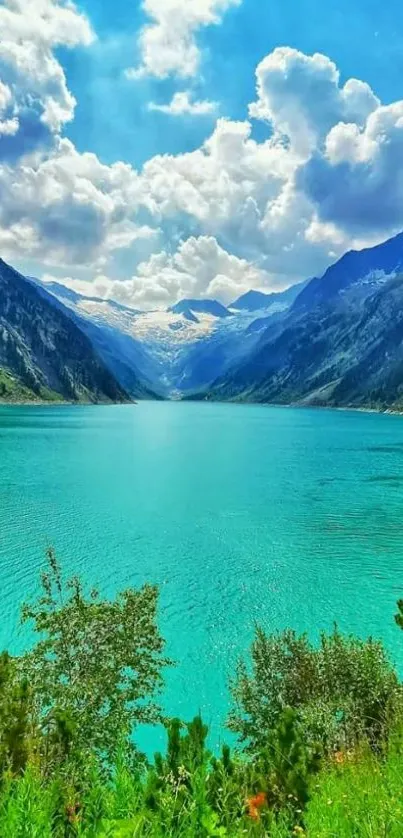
{"x":13,"y":390}
{"x":343,"y":691}
{"x":320,"y":732}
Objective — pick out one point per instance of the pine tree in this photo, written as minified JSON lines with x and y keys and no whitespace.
{"x":399,"y":616}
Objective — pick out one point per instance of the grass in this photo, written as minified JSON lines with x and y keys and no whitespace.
{"x":325,"y":761}
{"x":13,"y":390}
{"x":362,"y":796}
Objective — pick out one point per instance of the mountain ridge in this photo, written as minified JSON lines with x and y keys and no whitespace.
{"x":333,"y":340}
{"x":44,"y":352}
{"x":259,"y":300}
{"x":340,"y":343}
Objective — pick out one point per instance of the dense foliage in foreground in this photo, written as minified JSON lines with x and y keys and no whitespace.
{"x":320,"y":732}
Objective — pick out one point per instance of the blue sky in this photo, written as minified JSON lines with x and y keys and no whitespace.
{"x":365,"y":39}
{"x":156,"y":149}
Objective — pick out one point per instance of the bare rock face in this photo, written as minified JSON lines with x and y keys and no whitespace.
{"x":340,"y":343}
{"x":44,"y":350}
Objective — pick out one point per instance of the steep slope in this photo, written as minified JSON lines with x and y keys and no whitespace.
{"x":258,"y":301}
{"x":339,"y":345}
{"x":42,"y":350}
{"x":108,"y":325}
{"x":212,"y":307}
{"x":357,"y":268}
{"x":12,"y":391}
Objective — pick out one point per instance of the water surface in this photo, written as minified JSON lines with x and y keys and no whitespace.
{"x":240,"y":514}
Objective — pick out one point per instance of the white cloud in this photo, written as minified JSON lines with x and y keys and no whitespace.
{"x":199,"y":268}
{"x":182,"y":104}
{"x":357,"y":183}
{"x":30,"y":31}
{"x":168,"y":43}
{"x":8,"y":126}
{"x":73,"y":208}
{"x":294,"y":202}
{"x":300,"y":95}
{"x":5,"y":97}
{"x":328,"y":176}
{"x":224,"y":186}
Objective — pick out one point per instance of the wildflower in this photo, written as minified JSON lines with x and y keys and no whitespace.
{"x":255,"y":803}
{"x":72,"y":812}
{"x":339,"y":757}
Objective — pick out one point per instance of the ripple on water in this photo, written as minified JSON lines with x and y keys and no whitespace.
{"x":240,"y":514}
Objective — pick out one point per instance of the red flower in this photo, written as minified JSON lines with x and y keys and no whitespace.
{"x":72,"y":812}
{"x":255,"y":803}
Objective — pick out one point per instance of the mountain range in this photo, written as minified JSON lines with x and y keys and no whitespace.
{"x":339,"y":344}
{"x":335,"y":340}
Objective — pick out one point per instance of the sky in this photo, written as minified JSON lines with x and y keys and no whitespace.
{"x":152,"y":150}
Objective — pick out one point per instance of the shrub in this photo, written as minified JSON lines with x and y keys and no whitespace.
{"x":344,"y":690}
{"x":96,"y":666}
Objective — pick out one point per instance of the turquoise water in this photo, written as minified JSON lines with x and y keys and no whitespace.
{"x":240,"y":513}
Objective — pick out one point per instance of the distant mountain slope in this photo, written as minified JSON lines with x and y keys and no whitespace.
{"x":341,"y":343}
{"x":212,"y":307}
{"x":258,"y":301}
{"x":42,"y":350}
{"x":364,"y":268}
{"x":107,"y":324}
{"x":163,"y":352}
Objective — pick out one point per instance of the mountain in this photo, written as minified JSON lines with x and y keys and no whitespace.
{"x":212,"y":307}
{"x":107,"y":324}
{"x":68,"y":295}
{"x":334,"y":340}
{"x":258,"y":301}
{"x":361,"y":269}
{"x":170,"y":353}
{"x":340,"y":344}
{"x":43,"y":353}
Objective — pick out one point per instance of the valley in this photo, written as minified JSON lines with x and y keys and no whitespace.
{"x":331,"y":341}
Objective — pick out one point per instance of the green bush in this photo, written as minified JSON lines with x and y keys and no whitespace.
{"x":96,"y":666}
{"x":343,"y":691}
{"x":320,"y":737}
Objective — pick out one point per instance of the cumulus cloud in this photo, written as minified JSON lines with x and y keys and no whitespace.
{"x":300,"y":95}
{"x":73,"y":208}
{"x":224,"y":186}
{"x":30,"y":32}
{"x":246,"y":213}
{"x":357,"y":183}
{"x":328,"y":177}
{"x":182,"y":105}
{"x":199,"y":268}
{"x":168,"y":44}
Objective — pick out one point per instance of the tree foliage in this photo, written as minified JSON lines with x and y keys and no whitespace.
{"x":342,"y":690}
{"x":96,"y":666}
{"x":310,"y":719}
{"x":399,"y":615}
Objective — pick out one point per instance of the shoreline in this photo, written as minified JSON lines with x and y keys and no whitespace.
{"x":65,"y":404}
{"x":295,"y":406}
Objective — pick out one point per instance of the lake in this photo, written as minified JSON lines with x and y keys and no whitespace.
{"x":241,"y":514}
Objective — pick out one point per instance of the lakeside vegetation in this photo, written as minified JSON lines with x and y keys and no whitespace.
{"x":14,"y":391}
{"x":319,"y":732}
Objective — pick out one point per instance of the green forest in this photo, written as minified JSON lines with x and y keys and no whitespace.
{"x":318,"y":731}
